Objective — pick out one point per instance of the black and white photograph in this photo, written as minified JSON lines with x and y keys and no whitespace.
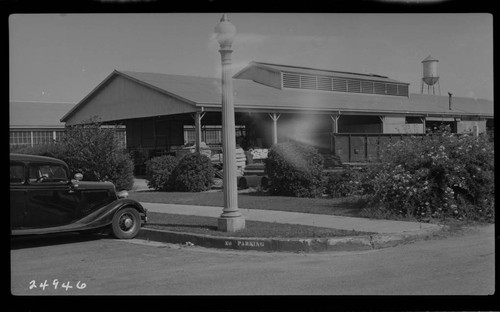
{"x":240,"y":153}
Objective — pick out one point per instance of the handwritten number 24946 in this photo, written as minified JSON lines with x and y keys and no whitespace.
{"x":55,"y":283}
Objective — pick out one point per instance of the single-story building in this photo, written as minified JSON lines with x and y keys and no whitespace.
{"x":33,"y":123}
{"x":36,"y":123}
{"x":273,"y":103}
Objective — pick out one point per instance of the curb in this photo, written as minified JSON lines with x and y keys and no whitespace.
{"x":348,"y":243}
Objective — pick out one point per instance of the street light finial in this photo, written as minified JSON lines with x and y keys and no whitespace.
{"x":225,"y":32}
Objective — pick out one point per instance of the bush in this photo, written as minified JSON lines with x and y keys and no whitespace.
{"x":53,"y":150}
{"x":294,"y":169}
{"x":193,"y":173}
{"x":159,"y":170}
{"x":344,"y":184}
{"x":123,"y":174}
{"x":93,"y":151}
{"x":446,"y":176}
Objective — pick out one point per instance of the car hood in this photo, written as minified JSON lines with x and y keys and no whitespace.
{"x":90,"y":185}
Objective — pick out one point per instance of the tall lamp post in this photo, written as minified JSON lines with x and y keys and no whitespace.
{"x":231,"y":219}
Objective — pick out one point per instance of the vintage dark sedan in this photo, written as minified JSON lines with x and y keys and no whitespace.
{"x":44,"y":199}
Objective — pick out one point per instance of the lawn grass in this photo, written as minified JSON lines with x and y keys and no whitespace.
{"x":208,"y":226}
{"x":349,"y":207}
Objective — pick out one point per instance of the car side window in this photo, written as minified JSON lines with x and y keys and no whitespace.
{"x":47,"y":173}
{"x":16,"y":173}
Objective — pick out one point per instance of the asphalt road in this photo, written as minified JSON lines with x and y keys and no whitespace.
{"x":462,"y":264}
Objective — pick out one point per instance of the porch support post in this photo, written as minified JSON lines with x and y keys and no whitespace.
{"x":382,"y":120}
{"x":335,"y":123}
{"x":198,"y":116}
{"x":475,"y":129}
{"x":423,"y":123}
{"x":275,"y":118}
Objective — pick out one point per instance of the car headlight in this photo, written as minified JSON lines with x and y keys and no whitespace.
{"x":122,"y":194}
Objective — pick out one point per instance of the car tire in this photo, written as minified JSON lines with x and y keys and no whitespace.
{"x":126,"y":223}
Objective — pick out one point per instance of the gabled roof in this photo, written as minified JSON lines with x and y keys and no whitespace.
{"x":318,"y":72}
{"x":204,"y":91}
{"x":37,"y":114}
{"x":252,"y":96}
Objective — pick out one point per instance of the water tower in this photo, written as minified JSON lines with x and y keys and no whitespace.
{"x":430,"y":76}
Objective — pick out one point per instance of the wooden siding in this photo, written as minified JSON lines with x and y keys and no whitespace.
{"x":122,"y":98}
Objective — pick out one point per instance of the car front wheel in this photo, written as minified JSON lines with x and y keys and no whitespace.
{"x":126,"y":223}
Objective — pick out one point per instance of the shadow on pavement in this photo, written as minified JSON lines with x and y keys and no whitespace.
{"x":21,"y":242}
{"x":208,"y":227}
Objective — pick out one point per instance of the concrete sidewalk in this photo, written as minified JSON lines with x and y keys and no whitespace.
{"x":388,"y":233}
{"x":327,"y":221}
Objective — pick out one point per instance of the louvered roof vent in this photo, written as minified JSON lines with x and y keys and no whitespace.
{"x":340,"y":84}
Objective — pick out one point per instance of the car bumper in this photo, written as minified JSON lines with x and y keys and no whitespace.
{"x":144,"y":217}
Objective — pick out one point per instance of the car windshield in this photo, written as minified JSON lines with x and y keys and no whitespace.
{"x":41,"y":173}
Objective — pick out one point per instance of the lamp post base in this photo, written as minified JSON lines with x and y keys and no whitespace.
{"x":231,"y":224}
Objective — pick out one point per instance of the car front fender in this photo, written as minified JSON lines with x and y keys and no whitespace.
{"x":104,"y":215}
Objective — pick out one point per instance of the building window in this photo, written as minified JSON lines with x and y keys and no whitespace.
{"x":210,"y":134}
{"x":20,"y":138}
{"x":59,"y":134}
{"x":121,"y":137}
{"x":43,"y":137}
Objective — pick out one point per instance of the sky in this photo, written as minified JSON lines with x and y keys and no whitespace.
{"x":63,"y":57}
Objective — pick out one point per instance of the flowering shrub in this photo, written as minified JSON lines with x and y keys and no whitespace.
{"x":159,"y":170}
{"x":347,"y":183}
{"x":193,"y":173}
{"x":294,"y":169}
{"x":436,"y":177}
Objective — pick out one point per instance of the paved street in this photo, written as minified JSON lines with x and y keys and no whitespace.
{"x":457,"y":265}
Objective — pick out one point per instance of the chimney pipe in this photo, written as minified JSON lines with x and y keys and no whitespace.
{"x":449,"y":100}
